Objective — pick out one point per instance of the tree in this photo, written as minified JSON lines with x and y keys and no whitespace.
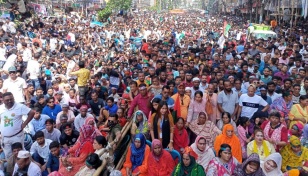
{"x":114,"y":5}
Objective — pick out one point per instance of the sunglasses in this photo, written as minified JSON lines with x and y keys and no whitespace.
{"x":12,"y":72}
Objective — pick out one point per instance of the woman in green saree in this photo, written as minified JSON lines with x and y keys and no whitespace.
{"x":188,"y":165}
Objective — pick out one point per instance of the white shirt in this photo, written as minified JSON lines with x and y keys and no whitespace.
{"x":274,"y":96}
{"x":79,"y":121}
{"x":250,"y":105}
{"x":2,"y":54}
{"x":11,"y":119}
{"x":10,"y":62}
{"x":16,"y":87}
{"x":43,"y":151}
{"x":26,"y":55}
{"x":33,"y":69}
{"x":33,"y":170}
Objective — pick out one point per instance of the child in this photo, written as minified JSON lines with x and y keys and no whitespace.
{"x":53,"y":159}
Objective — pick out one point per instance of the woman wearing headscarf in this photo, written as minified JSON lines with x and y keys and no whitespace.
{"x":91,"y":121}
{"x":272,"y":165}
{"x":296,"y":130}
{"x":250,"y":167}
{"x":283,"y":104}
{"x":140,"y":124}
{"x":228,"y":137}
{"x":180,"y":135}
{"x":160,"y":161}
{"x":260,"y":146}
{"x":224,"y":164}
{"x":188,"y":166}
{"x":136,"y":162}
{"x":77,"y":155}
{"x":204,"y":127}
{"x":304,"y":139}
{"x":226,"y":119}
{"x":205,"y":152}
{"x":244,"y":135}
{"x":293,"y":154}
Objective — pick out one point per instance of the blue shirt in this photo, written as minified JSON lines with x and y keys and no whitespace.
{"x":38,"y":124}
{"x":53,"y":162}
{"x":169,"y":101}
{"x":52,"y":113}
{"x":112,"y":109}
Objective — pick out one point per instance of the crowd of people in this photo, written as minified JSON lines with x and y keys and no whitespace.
{"x":178,"y":95}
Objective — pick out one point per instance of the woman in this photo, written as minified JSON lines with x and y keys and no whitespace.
{"x":244,"y":135}
{"x":228,"y":137}
{"x":203,"y":127}
{"x":250,"y":167}
{"x":99,"y":145}
{"x":196,"y":106}
{"x":136,"y":162}
{"x":160,"y":162}
{"x":212,"y":97}
{"x":296,"y":130}
{"x":70,"y":164}
{"x":188,"y":165}
{"x":205,"y":152}
{"x":154,"y":106}
{"x":274,"y":131}
{"x":162,"y":126}
{"x":283,"y":104}
{"x":299,"y":112}
{"x":180,"y":136}
{"x":224,"y":164}
{"x":272,"y":165}
{"x":92,"y":163}
{"x":293,"y":154}
{"x":140,"y":124}
{"x":226,"y":119}
{"x":260,"y":146}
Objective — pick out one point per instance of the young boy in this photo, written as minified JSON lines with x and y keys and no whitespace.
{"x":53,"y":160}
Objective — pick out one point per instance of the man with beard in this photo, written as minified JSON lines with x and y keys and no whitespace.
{"x":181,"y":102}
{"x":148,"y":79}
{"x":24,"y":166}
{"x":195,"y":88}
{"x":141,"y":79}
{"x":188,"y":79}
{"x":228,"y":100}
{"x":263,"y":94}
{"x":271,"y":87}
{"x":164,"y":96}
{"x":304,"y":88}
{"x":203,"y":85}
{"x":162,"y":78}
{"x":81,"y":118}
{"x":40,"y":151}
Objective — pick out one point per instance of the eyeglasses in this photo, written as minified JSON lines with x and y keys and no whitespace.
{"x":12,"y":72}
{"x":256,"y":82}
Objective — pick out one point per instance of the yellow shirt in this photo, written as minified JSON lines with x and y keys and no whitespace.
{"x":261,"y":153}
{"x":83,"y":76}
{"x":184,"y":105}
{"x":298,"y":111}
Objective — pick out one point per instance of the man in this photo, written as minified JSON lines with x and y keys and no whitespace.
{"x":304,"y":87}
{"x":141,"y":79}
{"x":16,"y":85}
{"x":228,"y":100}
{"x":271,"y":87}
{"x":40,"y":151}
{"x":59,"y":98}
{"x":11,"y":123}
{"x":96,"y":104}
{"x":83,"y":76}
{"x":16,"y":147}
{"x":69,"y":113}
{"x":283,"y":74}
{"x":181,"y":102}
{"x":53,"y":162}
{"x":164,"y":96}
{"x":24,"y":166}
{"x":81,"y":117}
{"x":69,"y":136}
{"x":250,"y":102}
{"x":238,"y":88}
{"x":203,"y":84}
{"x":296,"y":94}
{"x":263,"y":91}
{"x":50,"y":132}
{"x":141,"y":101}
{"x":51,"y":109}
{"x":38,"y":121}
{"x":195,"y":87}
{"x":33,"y":70}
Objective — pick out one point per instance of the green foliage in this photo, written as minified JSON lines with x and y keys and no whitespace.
{"x":114,"y":5}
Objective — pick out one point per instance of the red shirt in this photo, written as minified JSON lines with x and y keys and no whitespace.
{"x":142,"y":103}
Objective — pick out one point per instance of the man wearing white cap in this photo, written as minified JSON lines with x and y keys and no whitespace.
{"x":24,"y":166}
{"x":195,"y":88}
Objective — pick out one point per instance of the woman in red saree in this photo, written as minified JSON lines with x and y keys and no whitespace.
{"x":180,"y":136}
{"x":77,"y":155}
{"x":160,"y":161}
